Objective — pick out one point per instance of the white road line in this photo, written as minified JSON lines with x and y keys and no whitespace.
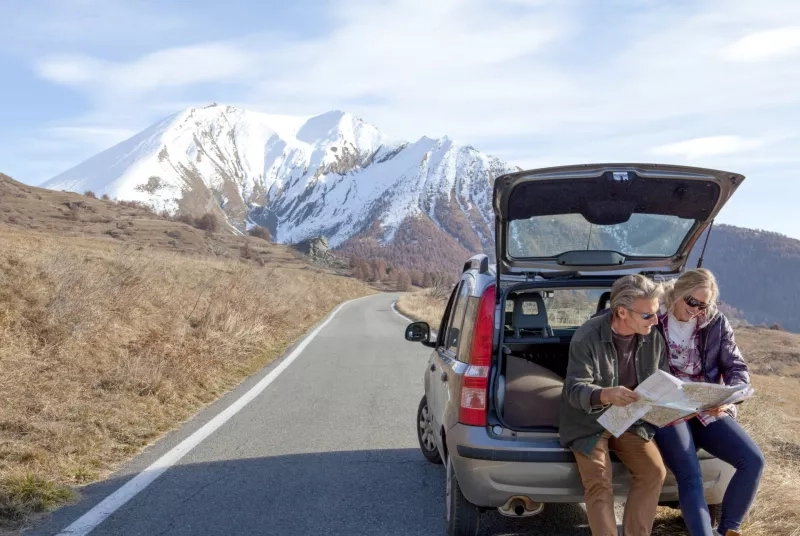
{"x":398,"y":313}
{"x":91,"y":519}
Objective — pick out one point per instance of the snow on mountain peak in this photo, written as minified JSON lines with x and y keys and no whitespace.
{"x":300,"y":176}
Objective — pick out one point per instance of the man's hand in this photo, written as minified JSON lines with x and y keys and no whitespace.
{"x":618,"y":396}
{"x":718,"y":412}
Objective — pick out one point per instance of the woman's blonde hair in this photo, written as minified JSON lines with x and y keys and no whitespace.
{"x":691,"y":280}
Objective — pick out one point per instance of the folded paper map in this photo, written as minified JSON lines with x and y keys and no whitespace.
{"x":665,"y":399}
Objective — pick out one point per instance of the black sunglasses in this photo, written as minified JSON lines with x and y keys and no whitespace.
{"x":645,"y":316}
{"x":691,"y":302}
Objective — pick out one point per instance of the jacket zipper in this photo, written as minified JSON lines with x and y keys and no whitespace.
{"x":616,"y":365}
{"x":639,"y":343}
{"x":703,"y":347}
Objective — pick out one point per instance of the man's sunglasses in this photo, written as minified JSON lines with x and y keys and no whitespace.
{"x":645,"y":316}
{"x":691,"y":302}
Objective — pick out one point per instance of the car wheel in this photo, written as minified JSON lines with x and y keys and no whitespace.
{"x":716,"y":514}
{"x":425,"y":433}
{"x":463,"y":517}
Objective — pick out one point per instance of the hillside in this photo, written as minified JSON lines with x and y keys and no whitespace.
{"x":116,"y":325}
{"x":757,"y":273}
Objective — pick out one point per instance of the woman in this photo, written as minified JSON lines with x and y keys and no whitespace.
{"x":702,"y":349}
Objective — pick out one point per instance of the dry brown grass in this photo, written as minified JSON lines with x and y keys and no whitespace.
{"x":771,"y":352}
{"x":425,"y":306}
{"x":770,"y":418}
{"x":104,"y":348}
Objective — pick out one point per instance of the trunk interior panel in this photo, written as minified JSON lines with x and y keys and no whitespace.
{"x":533,"y":379}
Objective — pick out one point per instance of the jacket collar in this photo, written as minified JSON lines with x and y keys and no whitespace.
{"x":606,"y":335}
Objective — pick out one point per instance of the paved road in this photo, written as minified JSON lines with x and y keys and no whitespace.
{"x":328,"y":448}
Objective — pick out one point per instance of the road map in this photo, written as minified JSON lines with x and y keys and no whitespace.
{"x":665,"y":399}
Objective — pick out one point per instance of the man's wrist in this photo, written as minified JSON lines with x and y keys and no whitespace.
{"x":598,"y":398}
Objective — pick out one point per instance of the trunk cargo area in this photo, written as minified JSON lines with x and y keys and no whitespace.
{"x":531,"y":383}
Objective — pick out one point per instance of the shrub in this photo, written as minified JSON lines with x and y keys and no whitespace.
{"x":260,"y":232}
{"x":207,"y":222}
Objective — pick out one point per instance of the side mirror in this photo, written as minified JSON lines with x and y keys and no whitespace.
{"x":419,"y":332}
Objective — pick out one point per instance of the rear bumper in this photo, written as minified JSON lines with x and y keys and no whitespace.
{"x":491,"y":470}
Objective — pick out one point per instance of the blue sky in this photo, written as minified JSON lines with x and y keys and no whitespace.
{"x":536,"y":82}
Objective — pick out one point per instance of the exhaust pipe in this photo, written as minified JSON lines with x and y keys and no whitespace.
{"x":517,"y":506}
{"x":521,"y":506}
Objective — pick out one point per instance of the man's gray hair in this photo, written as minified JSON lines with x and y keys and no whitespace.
{"x":626,"y":290}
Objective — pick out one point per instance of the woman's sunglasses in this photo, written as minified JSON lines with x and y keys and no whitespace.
{"x":691,"y":302}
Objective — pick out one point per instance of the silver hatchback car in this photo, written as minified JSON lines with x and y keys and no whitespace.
{"x":494,"y":379}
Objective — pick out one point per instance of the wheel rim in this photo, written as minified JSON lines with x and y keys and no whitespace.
{"x":426,"y":430}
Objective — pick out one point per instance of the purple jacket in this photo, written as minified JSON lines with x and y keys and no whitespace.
{"x":722,"y":359}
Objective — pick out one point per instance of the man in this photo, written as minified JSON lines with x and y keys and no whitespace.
{"x":608,"y":357}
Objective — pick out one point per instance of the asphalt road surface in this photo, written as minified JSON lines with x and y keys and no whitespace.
{"x":328,"y":447}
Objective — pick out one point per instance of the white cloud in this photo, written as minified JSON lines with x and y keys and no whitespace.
{"x":475,"y":70}
{"x":434,"y":67}
{"x":708,"y":146}
{"x":71,"y":70}
{"x":777,"y":43}
{"x":175,"y":67}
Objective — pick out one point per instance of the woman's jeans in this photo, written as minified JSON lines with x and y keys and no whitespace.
{"x":725,"y":439}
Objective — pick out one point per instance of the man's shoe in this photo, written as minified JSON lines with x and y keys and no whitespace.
{"x":732,"y":532}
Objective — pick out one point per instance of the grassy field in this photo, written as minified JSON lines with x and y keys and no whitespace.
{"x":107,"y":343}
{"x":771,"y":418}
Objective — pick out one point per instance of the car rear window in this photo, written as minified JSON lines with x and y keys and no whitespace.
{"x":643,"y":235}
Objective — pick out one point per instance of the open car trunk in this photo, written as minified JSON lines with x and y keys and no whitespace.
{"x":585,"y":225}
{"x":534,"y":350}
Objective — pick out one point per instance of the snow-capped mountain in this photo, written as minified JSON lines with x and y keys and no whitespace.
{"x":331,"y":174}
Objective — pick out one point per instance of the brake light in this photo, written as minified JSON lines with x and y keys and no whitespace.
{"x":475,"y":384}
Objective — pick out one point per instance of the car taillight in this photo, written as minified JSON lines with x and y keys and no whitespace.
{"x":475,"y":384}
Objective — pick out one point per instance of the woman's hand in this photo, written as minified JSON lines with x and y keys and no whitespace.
{"x":718,"y":412}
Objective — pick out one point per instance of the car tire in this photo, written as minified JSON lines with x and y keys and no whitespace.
{"x":463,"y":517}
{"x":425,"y":431}
{"x":716,"y":514}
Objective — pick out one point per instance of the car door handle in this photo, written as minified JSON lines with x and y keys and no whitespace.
{"x":444,"y":376}
{"x":433,"y":367}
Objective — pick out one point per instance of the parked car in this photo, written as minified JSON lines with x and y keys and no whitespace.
{"x":494,"y":378}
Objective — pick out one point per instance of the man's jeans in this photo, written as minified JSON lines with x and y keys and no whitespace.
{"x":647,"y":471}
{"x":725,"y":439}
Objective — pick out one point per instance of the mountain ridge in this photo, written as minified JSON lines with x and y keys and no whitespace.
{"x":329,"y":174}
{"x":423,"y":204}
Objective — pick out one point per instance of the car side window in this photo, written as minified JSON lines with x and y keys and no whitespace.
{"x":441,"y":333}
{"x":454,"y":334}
